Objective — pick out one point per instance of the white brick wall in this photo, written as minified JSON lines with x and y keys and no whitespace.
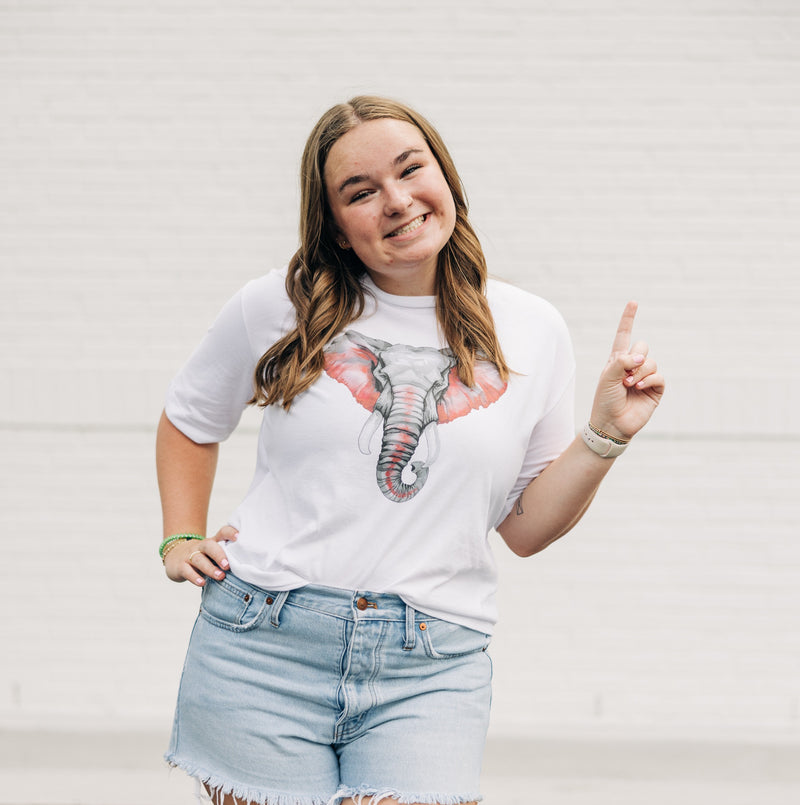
{"x":611,"y":149}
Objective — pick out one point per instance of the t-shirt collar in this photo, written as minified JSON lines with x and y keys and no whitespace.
{"x":394,"y":299}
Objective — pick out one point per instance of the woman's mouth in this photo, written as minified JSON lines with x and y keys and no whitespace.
{"x":409,"y":227}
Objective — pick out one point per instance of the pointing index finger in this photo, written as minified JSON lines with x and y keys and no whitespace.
{"x":622,"y":340}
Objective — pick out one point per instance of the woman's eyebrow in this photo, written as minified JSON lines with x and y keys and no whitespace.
{"x":406,"y":154}
{"x":362,"y":177}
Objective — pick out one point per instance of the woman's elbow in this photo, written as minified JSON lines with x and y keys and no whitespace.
{"x":518,"y":542}
{"x":526,"y":544}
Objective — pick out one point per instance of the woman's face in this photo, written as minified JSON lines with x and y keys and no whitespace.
{"x":391,"y":203}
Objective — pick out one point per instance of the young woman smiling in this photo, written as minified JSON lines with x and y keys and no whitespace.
{"x":410,"y":405}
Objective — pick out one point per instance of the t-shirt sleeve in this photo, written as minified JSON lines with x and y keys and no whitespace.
{"x":206,"y":398}
{"x":555,"y":430}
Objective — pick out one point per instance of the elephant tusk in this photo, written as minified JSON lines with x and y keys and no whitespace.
{"x":432,"y":440}
{"x":368,"y":431}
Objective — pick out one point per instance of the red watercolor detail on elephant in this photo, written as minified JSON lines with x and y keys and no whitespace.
{"x":354,"y":367}
{"x":460,"y":399}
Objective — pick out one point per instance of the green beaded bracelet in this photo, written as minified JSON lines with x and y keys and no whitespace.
{"x":175,"y":538}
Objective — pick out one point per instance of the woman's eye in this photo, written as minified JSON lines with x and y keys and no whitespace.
{"x":410,"y":169}
{"x":358,"y":196}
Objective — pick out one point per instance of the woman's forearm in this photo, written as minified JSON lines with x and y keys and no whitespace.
{"x":555,"y":500}
{"x":185,"y":477}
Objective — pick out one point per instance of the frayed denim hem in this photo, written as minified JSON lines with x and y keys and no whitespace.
{"x":367,"y":796}
{"x":244,"y":793}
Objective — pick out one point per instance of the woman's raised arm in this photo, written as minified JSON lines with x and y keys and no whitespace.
{"x":628,"y":392}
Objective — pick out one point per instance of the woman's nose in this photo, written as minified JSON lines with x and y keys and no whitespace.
{"x":397,"y":199}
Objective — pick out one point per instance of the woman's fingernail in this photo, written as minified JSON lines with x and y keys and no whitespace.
{"x":638,"y":359}
{"x":224,"y":563}
{"x":218,"y":574}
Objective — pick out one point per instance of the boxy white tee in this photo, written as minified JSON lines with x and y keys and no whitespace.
{"x":388,"y":473}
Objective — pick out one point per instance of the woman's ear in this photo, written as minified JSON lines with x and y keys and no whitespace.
{"x":337,"y":236}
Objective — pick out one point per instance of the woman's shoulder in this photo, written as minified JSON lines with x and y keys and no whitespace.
{"x":518,"y":306}
{"x":268,"y":287}
{"x":532,"y":333}
{"x":265,"y":302}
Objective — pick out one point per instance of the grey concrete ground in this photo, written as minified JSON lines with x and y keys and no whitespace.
{"x":49,"y":768}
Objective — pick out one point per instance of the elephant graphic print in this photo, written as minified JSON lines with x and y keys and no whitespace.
{"x":409,"y":392}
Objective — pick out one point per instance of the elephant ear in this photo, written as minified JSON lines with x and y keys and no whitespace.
{"x":351,"y":359}
{"x":460,"y":399}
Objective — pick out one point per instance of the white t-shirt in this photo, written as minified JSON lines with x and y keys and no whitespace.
{"x":388,"y":473}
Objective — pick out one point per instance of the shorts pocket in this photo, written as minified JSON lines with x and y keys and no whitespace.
{"x":235,"y":606}
{"x":443,"y":640}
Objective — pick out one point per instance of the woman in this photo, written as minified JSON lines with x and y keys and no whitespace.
{"x":410,"y":405}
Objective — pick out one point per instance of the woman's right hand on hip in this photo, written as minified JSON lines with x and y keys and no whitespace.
{"x":193,"y":559}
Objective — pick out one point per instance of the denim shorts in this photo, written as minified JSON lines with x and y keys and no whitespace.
{"x":307,"y":696}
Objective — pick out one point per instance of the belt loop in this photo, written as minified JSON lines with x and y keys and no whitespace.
{"x":280,"y":600}
{"x":411,"y":634}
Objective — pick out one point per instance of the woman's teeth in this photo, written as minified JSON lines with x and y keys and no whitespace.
{"x":409,"y":227}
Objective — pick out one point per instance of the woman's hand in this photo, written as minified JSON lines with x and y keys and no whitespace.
{"x":192,"y":560}
{"x":630,"y":386}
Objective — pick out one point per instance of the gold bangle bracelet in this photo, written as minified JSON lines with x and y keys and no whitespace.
{"x":173,"y":544}
{"x":605,"y":435}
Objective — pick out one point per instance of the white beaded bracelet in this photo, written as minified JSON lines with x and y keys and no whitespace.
{"x":601,"y":443}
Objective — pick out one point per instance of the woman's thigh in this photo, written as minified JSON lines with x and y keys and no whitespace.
{"x":419,"y":733}
{"x":257,"y":701}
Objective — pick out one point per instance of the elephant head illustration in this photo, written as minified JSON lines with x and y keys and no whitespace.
{"x":409,"y":391}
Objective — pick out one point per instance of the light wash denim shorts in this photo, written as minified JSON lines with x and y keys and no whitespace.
{"x":312,"y":695}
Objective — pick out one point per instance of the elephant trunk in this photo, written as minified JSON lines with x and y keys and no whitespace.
{"x":402,"y":428}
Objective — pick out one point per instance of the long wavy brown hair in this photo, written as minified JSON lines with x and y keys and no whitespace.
{"x":323,"y":280}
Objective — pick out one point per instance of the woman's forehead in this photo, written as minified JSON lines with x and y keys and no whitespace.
{"x":373,"y":144}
